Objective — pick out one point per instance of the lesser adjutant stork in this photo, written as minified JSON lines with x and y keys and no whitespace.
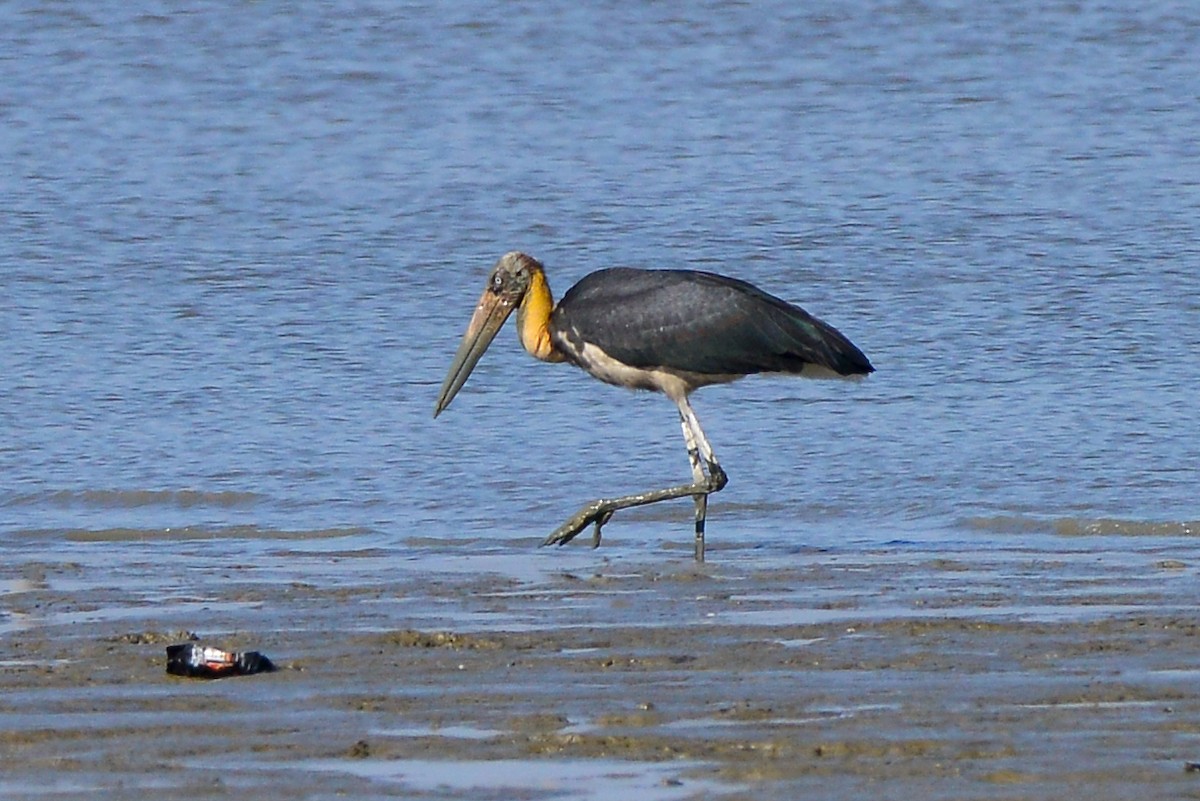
{"x":671,"y":331}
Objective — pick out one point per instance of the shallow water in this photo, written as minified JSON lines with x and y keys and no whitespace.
{"x":587,"y":779}
{"x":454,"y":671}
{"x":238,"y":246}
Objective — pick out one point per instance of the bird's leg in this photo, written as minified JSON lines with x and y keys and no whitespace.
{"x":698,"y":446}
{"x":698,"y":477}
{"x":699,"y":452}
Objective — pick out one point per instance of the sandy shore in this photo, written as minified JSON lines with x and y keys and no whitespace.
{"x":485,"y":670}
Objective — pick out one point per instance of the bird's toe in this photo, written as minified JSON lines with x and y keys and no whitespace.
{"x":597,"y":513}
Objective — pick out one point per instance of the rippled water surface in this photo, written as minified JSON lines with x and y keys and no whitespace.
{"x":239,"y":243}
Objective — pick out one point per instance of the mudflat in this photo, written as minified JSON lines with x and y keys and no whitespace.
{"x":438,"y":669}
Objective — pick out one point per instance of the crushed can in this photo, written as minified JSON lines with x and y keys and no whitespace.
{"x":206,"y":662}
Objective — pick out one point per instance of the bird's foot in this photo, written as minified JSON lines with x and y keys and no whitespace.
{"x":600,"y":512}
{"x":596,"y":512}
{"x":600,"y":521}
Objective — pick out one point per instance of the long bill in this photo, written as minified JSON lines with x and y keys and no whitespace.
{"x":487,"y":320}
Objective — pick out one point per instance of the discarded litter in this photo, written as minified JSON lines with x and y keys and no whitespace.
{"x":206,"y":662}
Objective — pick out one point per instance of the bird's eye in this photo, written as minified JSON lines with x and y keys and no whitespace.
{"x":497,"y":282}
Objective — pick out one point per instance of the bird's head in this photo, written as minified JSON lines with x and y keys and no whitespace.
{"x":507,"y":287}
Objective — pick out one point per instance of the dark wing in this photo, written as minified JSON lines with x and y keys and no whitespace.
{"x":699,"y":322}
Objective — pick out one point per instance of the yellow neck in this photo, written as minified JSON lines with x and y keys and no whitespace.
{"x":533,"y":319}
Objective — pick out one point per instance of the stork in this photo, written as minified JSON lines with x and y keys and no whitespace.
{"x":669,"y":331}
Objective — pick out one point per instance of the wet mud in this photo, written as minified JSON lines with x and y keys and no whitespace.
{"x":450,"y":670}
